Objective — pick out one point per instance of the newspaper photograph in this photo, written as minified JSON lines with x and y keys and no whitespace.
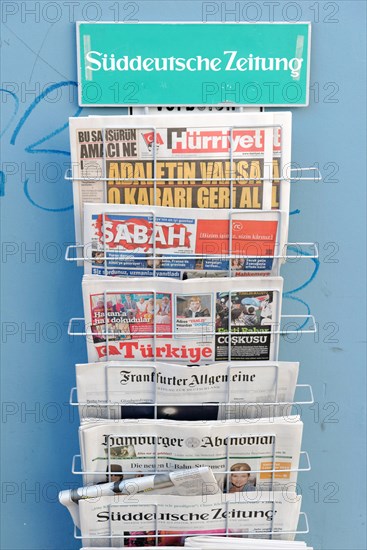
{"x":137,"y":520}
{"x":232,"y":160}
{"x":241,"y":453}
{"x":208,"y":392}
{"x":141,"y":241}
{"x":196,"y":321}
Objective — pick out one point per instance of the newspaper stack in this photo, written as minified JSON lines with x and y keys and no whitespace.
{"x":184,"y":222}
{"x":195,"y":161}
{"x":191,"y":322}
{"x":245,"y":455}
{"x":208,"y":392}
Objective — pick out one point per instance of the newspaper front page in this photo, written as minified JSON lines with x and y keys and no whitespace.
{"x":196,"y":321}
{"x":208,"y":392}
{"x":247,"y":450}
{"x":141,"y":241}
{"x":138,"y":519}
{"x":235,"y":160}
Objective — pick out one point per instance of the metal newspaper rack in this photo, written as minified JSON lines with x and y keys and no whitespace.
{"x":269,"y":180}
{"x":111,"y":408}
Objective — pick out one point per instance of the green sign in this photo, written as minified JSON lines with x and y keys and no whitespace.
{"x":169,"y":64}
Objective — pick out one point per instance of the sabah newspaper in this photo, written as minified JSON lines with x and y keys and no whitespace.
{"x":142,"y":241}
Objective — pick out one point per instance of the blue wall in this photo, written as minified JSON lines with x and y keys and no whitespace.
{"x":41,"y":291}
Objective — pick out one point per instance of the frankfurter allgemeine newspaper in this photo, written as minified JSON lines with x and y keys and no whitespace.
{"x":113,"y":521}
{"x":196,"y":321}
{"x":235,"y":160}
{"x":208,"y":392}
{"x":142,"y":241}
{"x":242,"y":453}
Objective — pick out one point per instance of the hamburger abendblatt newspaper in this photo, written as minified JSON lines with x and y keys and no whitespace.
{"x":245,"y":451}
{"x":237,"y":160}
{"x":135,"y":520}
{"x":226,"y":390}
{"x":133,"y":241}
{"x":196,"y":321}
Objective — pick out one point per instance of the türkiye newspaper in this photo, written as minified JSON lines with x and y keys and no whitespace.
{"x":138,"y":519}
{"x":209,"y":392}
{"x":133,"y":241}
{"x":228,"y":161}
{"x":245,"y":451}
{"x":196,"y":321}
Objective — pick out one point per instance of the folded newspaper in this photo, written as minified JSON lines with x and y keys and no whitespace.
{"x":236,"y":160}
{"x":208,"y":392}
{"x":142,"y":241}
{"x":245,"y":455}
{"x":193,"y":322}
{"x":197,"y":481}
{"x":137,"y":520}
